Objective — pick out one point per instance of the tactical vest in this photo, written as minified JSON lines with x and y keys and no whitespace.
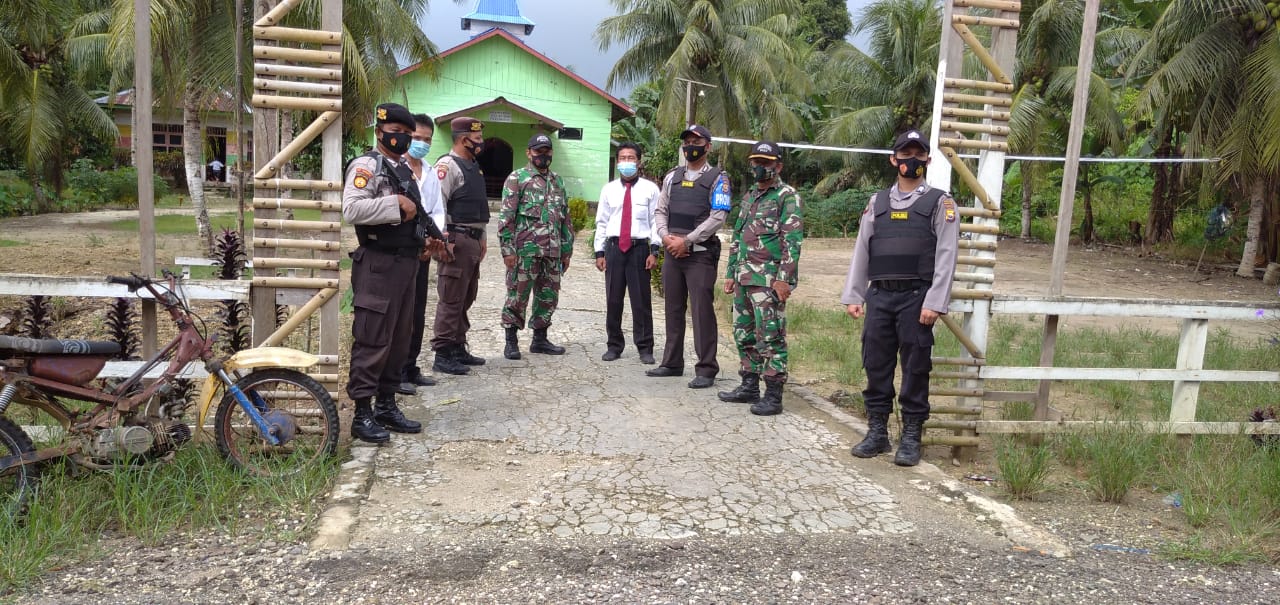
{"x":407,"y":237}
{"x":469,"y":204}
{"x":902,"y":247}
{"x":690,"y":201}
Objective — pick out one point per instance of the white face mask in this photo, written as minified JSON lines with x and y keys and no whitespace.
{"x":627,"y":169}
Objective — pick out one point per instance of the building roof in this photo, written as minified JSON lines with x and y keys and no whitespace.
{"x":499,"y":11}
{"x":225,"y":102}
{"x":544,"y":120}
{"x":620,"y":109}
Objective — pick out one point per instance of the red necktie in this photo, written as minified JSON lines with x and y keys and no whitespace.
{"x":624,"y":240}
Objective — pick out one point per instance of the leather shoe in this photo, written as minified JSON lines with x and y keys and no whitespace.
{"x":702,"y":382}
{"x":448,"y":365}
{"x":647,"y":359}
{"x":422,"y":380}
{"x":610,"y":355}
{"x":664,"y":371}
{"x":406,"y":388}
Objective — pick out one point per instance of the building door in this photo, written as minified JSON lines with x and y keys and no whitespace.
{"x":495,"y":161}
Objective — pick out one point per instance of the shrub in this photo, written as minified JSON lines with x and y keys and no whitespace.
{"x":16,"y":199}
{"x":91,"y":189}
{"x":834,"y":216}
{"x":579,"y":213}
{"x":1023,"y":467}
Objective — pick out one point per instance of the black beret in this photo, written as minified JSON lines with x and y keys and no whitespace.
{"x":393,"y":113}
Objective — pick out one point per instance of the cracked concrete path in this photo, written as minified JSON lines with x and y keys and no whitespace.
{"x":571,"y":446}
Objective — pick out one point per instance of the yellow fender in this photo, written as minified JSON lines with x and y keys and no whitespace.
{"x":261,"y":357}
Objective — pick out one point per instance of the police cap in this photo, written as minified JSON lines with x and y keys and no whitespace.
{"x":465,"y":125}
{"x":701,"y":131}
{"x":393,"y":113}
{"x":540,"y":141}
{"x":765,"y":150}
{"x":911,"y":137}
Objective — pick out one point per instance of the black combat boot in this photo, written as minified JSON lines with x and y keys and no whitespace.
{"x":877,"y":440}
{"x":540,"y":344}
{"x":771,"y":403}
{"x":364,"y":427}
{"x":388,"y":414}
{"x":445,"y":363}
{"x":909,"y":444}
{"x":512,"y":350}
{"x":747,"y":392}
{"x":464,"y":357}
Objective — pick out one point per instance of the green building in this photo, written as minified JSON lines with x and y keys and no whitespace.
{"x":517,"y":92}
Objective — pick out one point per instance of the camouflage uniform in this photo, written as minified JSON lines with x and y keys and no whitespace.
{"x":534,"y":226}
{"x":765,"y":249}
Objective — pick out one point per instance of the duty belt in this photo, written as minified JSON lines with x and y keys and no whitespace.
{"x":898,"y":285}
{"x":635,"y":242}
{"x":470,"y":232}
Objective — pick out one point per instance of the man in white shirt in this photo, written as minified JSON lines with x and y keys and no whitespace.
{"x":411,"y":375}
{"x":626,"y":250}
{"x":215,"y":169}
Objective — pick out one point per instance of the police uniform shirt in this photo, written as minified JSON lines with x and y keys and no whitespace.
{"x":946,"y":226}
{"x":644,"y":203}
{"x":451,"y":179}
{"x":367,"y":199}
{"x":708,"y":227}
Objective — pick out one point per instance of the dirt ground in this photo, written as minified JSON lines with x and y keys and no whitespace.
{"x":83,"y":244}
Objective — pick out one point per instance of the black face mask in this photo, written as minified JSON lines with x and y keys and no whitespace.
{"x":693,"y":153}
{"x":396,"y":142}
{"x":762,"y":173}
{"x":475,"y":149}
{"x":912,"y":168}
{"x":541,"y":161}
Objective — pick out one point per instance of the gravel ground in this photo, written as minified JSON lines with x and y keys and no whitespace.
{"x":930,"y":567}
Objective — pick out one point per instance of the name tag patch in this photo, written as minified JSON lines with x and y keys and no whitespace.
{"x":687,"y":183}
{"x":899,"y":215}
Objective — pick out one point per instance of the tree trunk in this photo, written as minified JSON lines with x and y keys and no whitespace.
{"x":1257,"y":204}
{"x":1086,"y":226}
{"x":193,"y":161}
{"x":1026,"y":201}
{"x":1163,"y":196}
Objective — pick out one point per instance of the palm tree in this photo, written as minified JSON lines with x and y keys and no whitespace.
{"x":1211,"y":77}
{"x":44,"y":104}
{"x":743,"y":47}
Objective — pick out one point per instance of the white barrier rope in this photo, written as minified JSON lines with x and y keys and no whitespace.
{"x":1031,"y":158}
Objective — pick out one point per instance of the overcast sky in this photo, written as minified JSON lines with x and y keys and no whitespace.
{"x":563,"y":32}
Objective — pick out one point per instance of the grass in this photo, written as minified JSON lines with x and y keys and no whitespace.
{"x":1230,"y":487}
{"x":8,"y":243}
{"x":197,"y":491}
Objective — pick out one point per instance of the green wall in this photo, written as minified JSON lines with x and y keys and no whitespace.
{"x":497,"y":68}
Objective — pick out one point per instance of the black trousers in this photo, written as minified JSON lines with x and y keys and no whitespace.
{"x":457,"y":284}
{"x":688,"y":283}
{"x":382,"y":286}
{"x":891,"y":331}
{"x":420,"y":289}
{"x":625,"y":275}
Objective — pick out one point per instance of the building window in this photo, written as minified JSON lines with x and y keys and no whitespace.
{"x":166,"y":137}
{"x":570,"y":134}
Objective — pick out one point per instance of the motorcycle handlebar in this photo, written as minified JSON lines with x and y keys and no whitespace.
{"x":133,"y":282}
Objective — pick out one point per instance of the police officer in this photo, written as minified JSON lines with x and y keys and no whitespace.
{"x":764,"y":261}
{"x":692,"y":205}
{"x":381,"y":199}
{"x":906,"y":253}
{"x":467,"y":215}
{"x":536,"y":235}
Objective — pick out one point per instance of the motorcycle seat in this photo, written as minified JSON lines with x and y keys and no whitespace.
{"x":10,"y":345}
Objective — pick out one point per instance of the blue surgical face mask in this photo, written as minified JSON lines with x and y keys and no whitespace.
{"x":627,"y":169}
{"x":419,"y":149}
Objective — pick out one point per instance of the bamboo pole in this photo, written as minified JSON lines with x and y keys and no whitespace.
{"x":975,"y":45}
{"x":281,"y":203}
{"x":976,"y":278}
{"x":951,"y":440}
{"x":983,"y":229}
{"x":298,"y":87}
{"x":276,"y":14}
{"x":959,"y":97}
{"x":1009,"y":396}
{"x":975,"y":144}
{"x":298,"y":317}
{"x":978,"y":212}
{"x":970,"y":181}
{"x":959,"y":361}
{"x":952,"y":425}
{"x":323,"y":378}
{"x":975,"y":261}
{"x":1000,"y":5}
{"x":1149,"y":426}
{"x":293,"y":34}
{"x":297,"y":184}
{"x":302,"y":55}
{"x":302,"y":244}
{"x":302,"y":103}
{"x":988,"y":21}
{"x":966,"y":294}
{"x":979,"y":84}
{"x":295,"y":282}
{"x":303,"y":139}
{"x":288,"y":225}
{"x":972,"y":245}
{"x":954,"y":410}
{"x":285,"y":262}
{"x":296,"y":71}
{"x":995,"y":129}
{"x":985,"y":114}
{"x":942,"y":391}
{"x":945,"y":375}
{"x":964,"y":339}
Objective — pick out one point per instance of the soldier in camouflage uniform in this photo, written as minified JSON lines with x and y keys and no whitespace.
{"x":763,"y":266}
{"x":536,"y":235}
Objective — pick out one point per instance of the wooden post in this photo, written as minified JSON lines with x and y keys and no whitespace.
{"x":266,"y":144}
{"x":144,"y":159}
{"x":1191,"y":345}
{"x":1062,"y":237}
{"x":240,"y":142}
{"x":331,"y":170}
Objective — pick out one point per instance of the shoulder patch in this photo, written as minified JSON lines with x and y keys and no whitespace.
{"x":361,"y":181}
{"x":364,"y":172}
{"x":442,"y":172}
{"x":949,"y":206}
